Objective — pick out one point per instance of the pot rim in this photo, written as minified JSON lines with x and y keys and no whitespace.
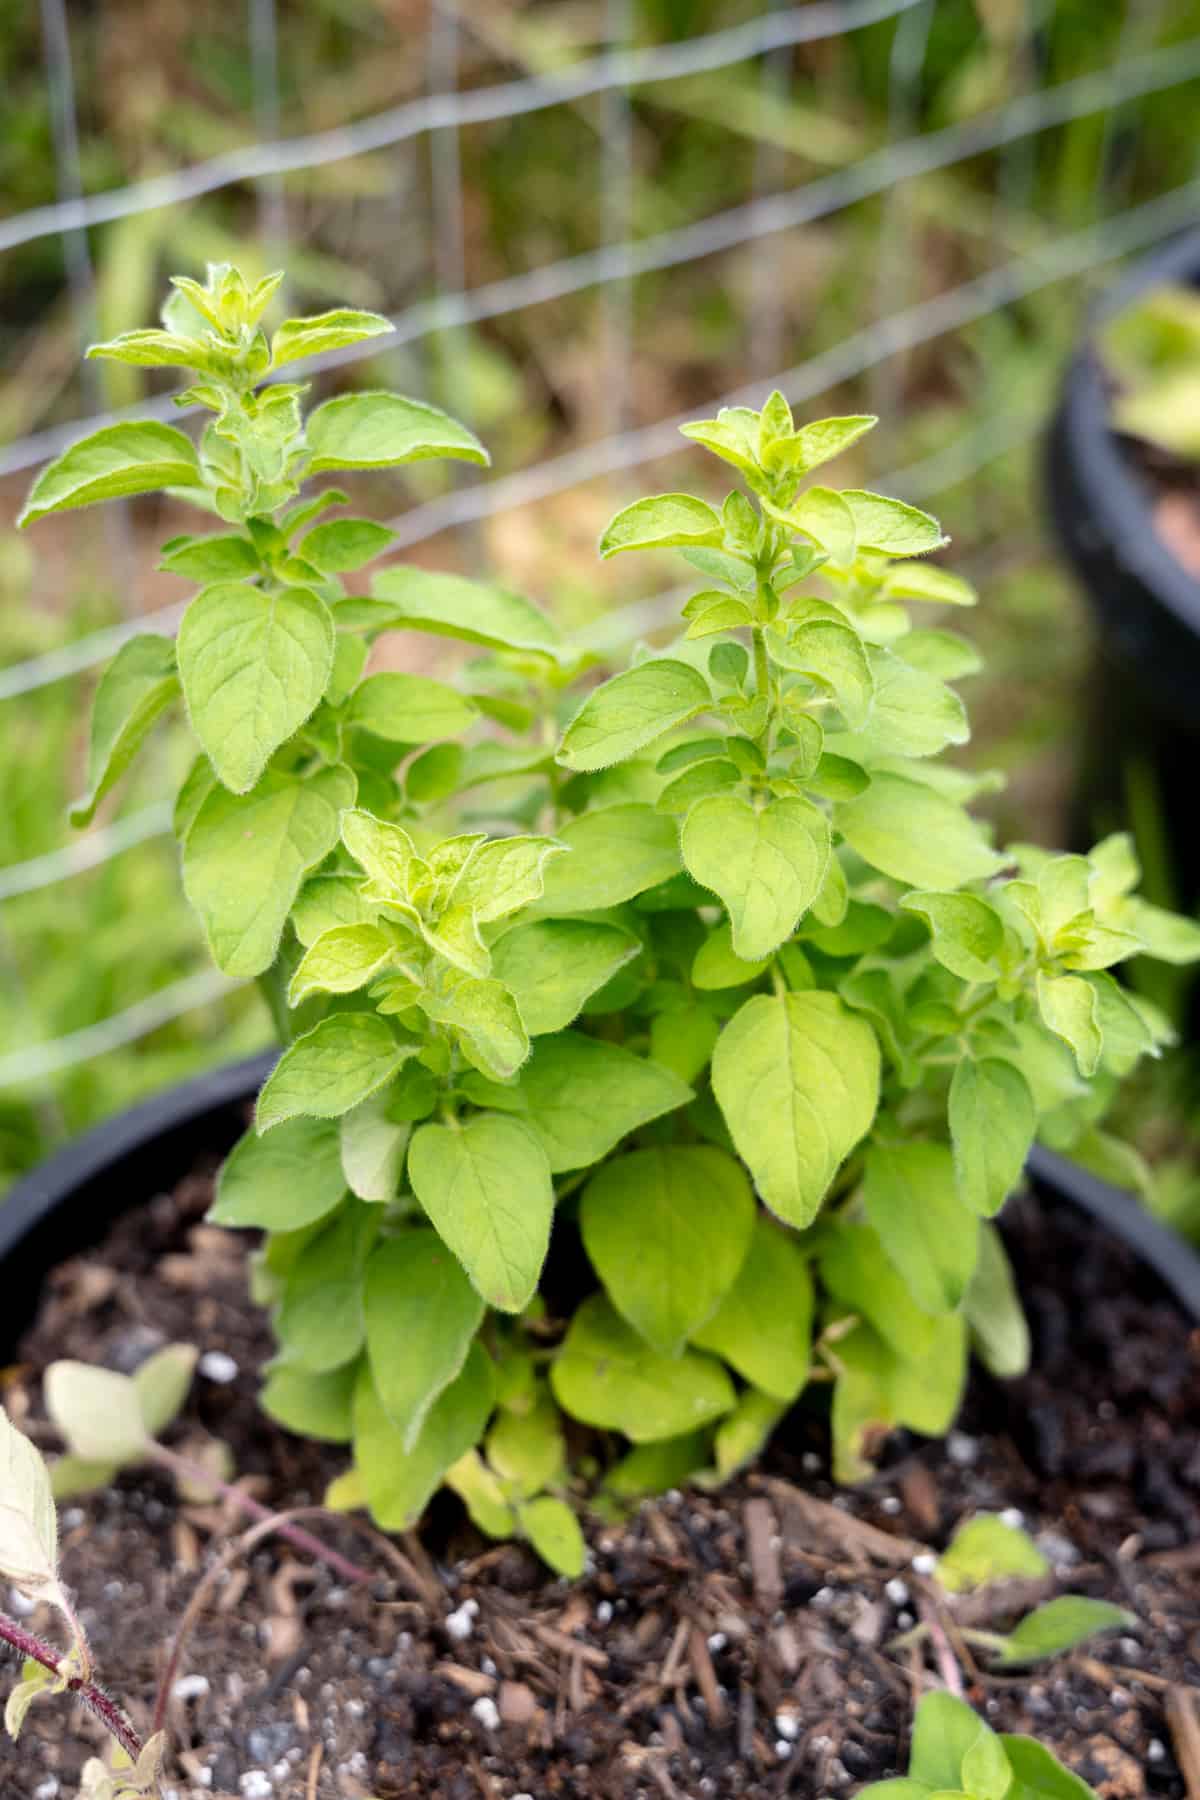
{"x":1117,"y":499}
{"x":97,"y":1156}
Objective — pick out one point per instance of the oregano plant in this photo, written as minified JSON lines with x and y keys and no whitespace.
{"x":707,"y":968}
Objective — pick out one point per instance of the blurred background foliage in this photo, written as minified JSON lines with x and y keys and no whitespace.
{"x":160,"y":84}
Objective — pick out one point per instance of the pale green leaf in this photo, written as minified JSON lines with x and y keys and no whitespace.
{"x":505,"y":874}
{"x":320,"y":1320}
{"x":833,"y":655}
{"x":324,"y":331}
{"x":927,"y":1233}
{"x":992,"y":1309}
{"x":527,"y":1449}
{"x":377,"y":430}
{"x":584,"y":1095}
{"x":908,"y":831}
{"x":822,"y":514}
{"x":553,"y":1530}
{"x":1069,"y":1008}
{"x":944,"y":1729}
{"x":421,"y":1318}
{"x":35,"y":1680}
{"x":340,"y":961}
{"x":486,"y":1187}
{"x":372,"y":1147}
{"x":767,"y":866}
{"x":97,"y":1411}
{"x":281,"y":1182}
{"x":616,"y":853}
{"x":891,"y":526}
{"x":992,"y":1124}
{"x":661,"y":522}
{"x":254,"y":664}
{"x":162,"y":1384}
{"x":452,"y":606}
{"x":715,"y":965}
{"x":667,"y":1229}
{"x":823,"y":439}
{"x":222,"y":556}
{"x":763,"y":1326}
{"x":926,"y":581}
{"x":1059,"y":1626}
{"x":606,"y":1375}
{"x":797,"y":1079}
{"x":1038,"y":1775}
{"x":136,"y":688}
{"x":879,"y":1388}
{"x":330,"y":1069}
{"x":967,"y":932}
{"x":742,"y":1434}
{"x":410,"y":709}
{"x":131,"y":458}
{"x":399,"y":1483}
{"x":28,"y":1521}
{"x":343,"y":544}
{"x":327,"y":901}
{"x":482,"y":1495}
{"x":857,"y":1270}
{"x":552,"y":966}
{"x":310,"y":1404}
{"x":655,"y":1468}
{"x":630,"y":711}
{"x":485,"y":1014}
{"x":986,"y":1549}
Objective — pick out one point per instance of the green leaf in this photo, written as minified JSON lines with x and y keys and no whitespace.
{"x":330,"y":1069}
{"x":35,"y":1680}
{"x":823,"y":439}
{"x":986,"y":1774}
{"x":311,"y":1405}
{"x":913,"y":713}
{"x":944,"y":654}
{"x":742,"y":1434}
{"x":320,"y":1318}
{"x":655,"y":1468}
{"x":985,"y":1549}
{"x":632,"y":710}
{"x":482,"y":1495}
{"x":399,"y":1483}
{"x":767,"y":866}
{"x":28,"y":1521}
{"x":1038,"y":1775}
{"x":526,"y":1448}
{"x":891,"y":526}
{"x":1059,"y":1626}
{"x":485,"y":1014}
{"x":136,"y":688}
{"x":926,"y":581}
{"x":763,"y":1326}
{"x":912,"y":833}
{"x":553,"y":1530}
{"x":372,"y":1146}
{"x":967,"y":932}
{"x":245,"y":857}
{"x":999,"y":1333}
{"x":822,"y":514}
{"x":377,"y":430}
{"x":282,"y":1182}
{"x":486,"y":1187}
{"x":717,"y":967}
{"x":133,"y":458}
{"x":927,"y":1233}
{"x":97,"y":1412}
{"x":410,"y":709}
{"x":421,"y":1318}
{"x":992,"y":1124}
{"x":616,"y":852}
{"x":224,"y":556}
{"x":504,"y":875}
{"x":254,"y":664}
{"x":944,"y":1729}
{"x":1068,"y":1006}
{"x":584,"y":1095}
{"x":452,"y":606}
{"x":797,"y":1079}
{"x":682,"y":1038}
{"x":343,"y":544}
{"x":662,"y":522}
{"x":324,"y":331}
{"x":605,"y":1375}
{"x":341,"y":961}
{"x":855,"y":1268}
{"x":667,"y":1230}
{"x":732,"y":435}
{"x":552,"y":966}
{"x":328,"y":901}
{"x":833,"y":655}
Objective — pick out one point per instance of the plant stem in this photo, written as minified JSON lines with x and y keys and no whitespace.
{"x":98,"y":1703}
{"x":762,"y":670}
{"x":303,"y":1540}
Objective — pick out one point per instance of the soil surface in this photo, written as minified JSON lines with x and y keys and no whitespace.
{"x":721,"y":1644}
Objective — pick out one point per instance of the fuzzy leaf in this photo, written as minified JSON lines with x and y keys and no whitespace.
{"x":377,"y":430}
{"x":97,"y":1411}
{"x":132,"y":458}
{"x":486,"y":1187}
{"x":584,"y":1095}
{"x":767,"y":866}
{"x":281,"y":1182}
{"x":616,"y":853}
{"x":410,"y":709}
{"x":912,"y":833}
{"x":330,"y":1069}
{"x":662,"y":522}
{"x":28,"y":1521}
{"x":421,"y":1318}
{"x":630,"y":711}
{"x":992,"y":1124}
{"x":324,"y":331}
{"x":452,"y":606}
{"x":605,"y":1375}
{"x":552,"y":966}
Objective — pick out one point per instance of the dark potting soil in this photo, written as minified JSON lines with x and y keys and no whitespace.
{"x":721,"y":1644}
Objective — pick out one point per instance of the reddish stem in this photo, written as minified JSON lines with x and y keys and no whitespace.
{"x":94,"y":1698}
{"x":295,"y":1534}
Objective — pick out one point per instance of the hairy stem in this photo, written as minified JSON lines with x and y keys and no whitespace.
{"x":101,"y":1705}
{"x":302,"y":1540}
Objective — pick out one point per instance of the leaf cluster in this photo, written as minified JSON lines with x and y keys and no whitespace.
{"x":957,"y":1756}
{"x":707,"y":968}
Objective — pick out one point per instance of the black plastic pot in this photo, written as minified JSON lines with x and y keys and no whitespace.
{"x":1143,"y":733}
{"x":66,"y":1205}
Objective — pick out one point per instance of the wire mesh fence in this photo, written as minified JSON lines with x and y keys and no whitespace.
{"x":886,"y":184}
